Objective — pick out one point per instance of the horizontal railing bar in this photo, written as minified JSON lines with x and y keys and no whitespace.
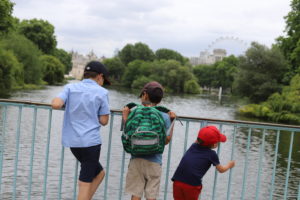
{"x":184,"y":118}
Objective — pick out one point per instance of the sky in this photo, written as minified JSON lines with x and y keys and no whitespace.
{"x":186,"y":26}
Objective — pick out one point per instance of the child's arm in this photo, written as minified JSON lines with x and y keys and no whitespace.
{"x":172,"y":116}
{"x":125,"y":113}
{"x":57,"y":103}
{"x":224,"y":168}
{"x":103,"y":119}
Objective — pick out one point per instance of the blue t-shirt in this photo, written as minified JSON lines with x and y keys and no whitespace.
{"x":84,"y":103}
{"x":157,"y":158}
{"x":194,"y":164}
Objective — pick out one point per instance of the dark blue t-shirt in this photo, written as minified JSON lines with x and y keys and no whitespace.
{"x":194,"y":164}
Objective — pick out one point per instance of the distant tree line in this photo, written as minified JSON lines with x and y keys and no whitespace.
{"x":28,"y":52}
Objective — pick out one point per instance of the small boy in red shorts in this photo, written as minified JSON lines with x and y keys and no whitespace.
{"x":196,"y":162}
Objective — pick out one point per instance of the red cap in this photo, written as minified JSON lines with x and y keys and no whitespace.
{"x":211,"y":135}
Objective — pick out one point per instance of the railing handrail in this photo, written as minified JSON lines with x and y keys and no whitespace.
{"x":26,"y":102}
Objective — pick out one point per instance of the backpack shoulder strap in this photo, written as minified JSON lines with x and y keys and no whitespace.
{"x":131,"y":105}
{"x":162,"y":109}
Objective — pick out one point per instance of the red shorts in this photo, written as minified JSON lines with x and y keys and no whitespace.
{"x":183,"y":191}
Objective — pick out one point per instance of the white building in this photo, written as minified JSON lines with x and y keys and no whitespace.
{"x":79,"y":61}
{"x":207,"y":58}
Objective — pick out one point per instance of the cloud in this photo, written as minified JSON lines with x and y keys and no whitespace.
{"x":185,"y":26}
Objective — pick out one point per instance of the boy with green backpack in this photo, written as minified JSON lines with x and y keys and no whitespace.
{"x":147,"y":129}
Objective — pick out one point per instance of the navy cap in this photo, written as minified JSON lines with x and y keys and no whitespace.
{"x":98,"y":67}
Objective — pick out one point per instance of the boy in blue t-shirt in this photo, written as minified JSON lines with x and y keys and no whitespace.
{"x":86,"y":110}
{"x":196,"y":162}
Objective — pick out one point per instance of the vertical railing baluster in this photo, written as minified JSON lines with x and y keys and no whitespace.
{"x":17,"y":151}
{"x":168,"y":170}
{"x":108,"y":156}
{"x":216,"y":172}
{"x":186,"y":136}
{"x":75,"y":180}
{"x":47,"y":154}
{"x":4,"y":116}
{"x":288,"y":167}
{"x":261,"y":153}
{"x":298,"y":192}
{"x":231,"y":158}
{"x":62,"y":156}
{"x":274,"y":164}
{"x":32,"y":151}
{"x":246,"y":164}
{"x":122,"y":175}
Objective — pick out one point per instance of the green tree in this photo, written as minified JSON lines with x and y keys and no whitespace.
{"x":205,"y":75}
{"x":11,"y":72}
{"x":115,"y":68}
{"x":131,"y":72}
{"x":28,"y":54}
{"x":192,"y":87}
{"x":138,"y":51}
{"x":169,"y":54}
{"x":260,"y":72}
{"x":40,"y":32}
{"x":65,"y":58}
{"x":6,"y":19}
{"x":224,"y":72}
{"x":290,"y":44}
{"x":53,"y":70}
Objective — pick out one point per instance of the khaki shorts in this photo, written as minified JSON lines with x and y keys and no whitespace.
{"x":143,"y":176}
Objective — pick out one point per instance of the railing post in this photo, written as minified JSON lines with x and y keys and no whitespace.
{"x":4,"y":113}
{"x":216,"y":172}
{"x":298,"y":192}
{"x":62,"y":154}
{"x":274,"y":165}
{"x":246,"y":164}
{"x":108,"y":156}
{"x":122,"y":173}
{"x":186,"y":137}
{"x":231,"y":158}
{"x":47,"y":155}
{"x":32,"y":151}
{"x":262,"y":148}
{"x":288,"y":167}
{"x":17,"y":152}
{"x":167,"y":170}
{"x":75,"y":180}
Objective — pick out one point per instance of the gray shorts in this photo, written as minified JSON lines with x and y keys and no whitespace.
{"x":143,"y":177}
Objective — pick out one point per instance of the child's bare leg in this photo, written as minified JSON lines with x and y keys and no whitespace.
{"x":84,"y":190}
{"x":96,"y":182}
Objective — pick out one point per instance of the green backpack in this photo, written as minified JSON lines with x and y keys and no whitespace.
{"x":144,"y":132}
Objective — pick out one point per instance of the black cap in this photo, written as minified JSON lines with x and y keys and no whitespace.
{"x":96,"y":66}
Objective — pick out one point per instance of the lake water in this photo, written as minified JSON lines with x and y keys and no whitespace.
{"x":206,"y":106}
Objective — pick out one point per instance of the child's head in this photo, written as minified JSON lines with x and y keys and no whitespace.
{"x":93,"y":69}
{"x":210,"y":136}
{"x":154,"y":90}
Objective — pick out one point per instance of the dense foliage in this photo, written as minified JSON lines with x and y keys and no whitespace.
{"x":136,"y":64}
{"x":53,"y":71}
{"x":280,"y":107}
{"x":290,"y":44}
{"x":23,"y":48}
{"x":260,"y":72}
{"x":40,"y":32}
{"x":6,"y":19}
